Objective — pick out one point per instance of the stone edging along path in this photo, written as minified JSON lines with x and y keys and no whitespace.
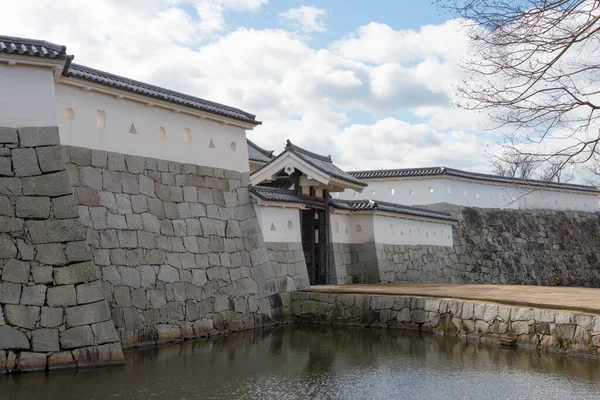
{"x":572,"y":333}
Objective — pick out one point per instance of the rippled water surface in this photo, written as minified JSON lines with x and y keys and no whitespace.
{"x":323,"y":363}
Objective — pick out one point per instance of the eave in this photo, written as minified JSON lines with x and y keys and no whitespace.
{"x":56,"y":65}
{"x":150,"y":101}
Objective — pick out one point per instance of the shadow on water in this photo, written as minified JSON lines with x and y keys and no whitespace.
{"x":322,"y":362}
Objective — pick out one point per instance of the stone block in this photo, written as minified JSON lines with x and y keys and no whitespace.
{"x":130,"y":183}
{"x":116,"y":161}
{"x":115,"y":221}
{"x":16,"y":271}
{"x":107,"y":199}
{"x":130,"y":277}
{"x":76,"y":337}
{"x":45,"y":340}
{"x":89,"y":292}
{"x":13,"y":339}
{"x":42,"y":273}
{"x":99,"y":159}
{"x":21,"y":315}
{"x":53,"y":185}
{"x":111,"y":181}
{"x":8,"y":135}
{"x":147,"y":276}
{"x":61,"y":296}
{"x":50,"y":159}
{"x":29,"y":362}
{"x":33,"y":207}
{"x":151,"y":223}
{"x":55,"y":231}
{"x":10,"y":293}
{"x":87,"y":314}
{"x":64,"y":207}
{"x":168,"y":274}
{"x":5,"y":167}
{"x":33,"y":295}
{"x":61,"y":361}
{"x":90,"y":177}
{"x":78,"y":251}
{"x":146,"y":185}
{"x":51,"y":254}
{"x":6,"y":207}
{"x":11,"y":224}
{"x":25,"y":162}
{"x":80,"y":156}
{"x":87,"y":196}
{"x":7,"y":247}
{"x":122,"y":295}
{"x":51,"y":317}
{"x":76,"y":273}
{"x":139,"y":203}
{"x":105,"y":332}
{"x":127,"y":239}
{"x":10,"y":186}
{"x":107,"y":354}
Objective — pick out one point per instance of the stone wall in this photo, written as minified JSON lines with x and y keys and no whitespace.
{"x":179,"y":245}
{"x":551,"y":330}
{"x":355,"y":263}
{"x":289,"y":266}
{"x":505,"y":246}
{"x":53,"y":314}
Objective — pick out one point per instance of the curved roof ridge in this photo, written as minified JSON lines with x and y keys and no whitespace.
{"x":35,"y":48}
{"x":138,"y":87}
{"x":266,"y":153}
{"x":292,"y":147}
{"x":432,"y":171}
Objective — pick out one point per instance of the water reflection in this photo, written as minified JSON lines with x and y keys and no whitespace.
{"x":322,"y":362}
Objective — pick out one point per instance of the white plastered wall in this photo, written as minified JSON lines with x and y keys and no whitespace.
{"x":26,"y":96}
{"x":280,"y":225}
{"x":346,"y":228}
{"x":474,"y":194}
{"x":388,"y":230}
{"x":402,"y":231}
{"x":98,"y":121}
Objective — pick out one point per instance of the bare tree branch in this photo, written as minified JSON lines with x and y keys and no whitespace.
{"x":534,"y":68}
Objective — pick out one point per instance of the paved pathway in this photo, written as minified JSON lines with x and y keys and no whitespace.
{"x":559,"y":298}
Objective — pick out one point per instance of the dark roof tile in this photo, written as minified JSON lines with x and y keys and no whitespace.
{"x":433,"y":171}
{"x":257,"y":153}
{"x":145,"y":89}
{"x":276,"y":194}
{"x":371,"y":205}
{"x":34,"y":48}
{"x":323,"y":163}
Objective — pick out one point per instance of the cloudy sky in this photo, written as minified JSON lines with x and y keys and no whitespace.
{"x":369,"y":82}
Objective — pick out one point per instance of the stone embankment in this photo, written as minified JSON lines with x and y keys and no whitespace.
{"x":53,"y":314}
{"x":179,"y":247}
{"x":558,"y":331}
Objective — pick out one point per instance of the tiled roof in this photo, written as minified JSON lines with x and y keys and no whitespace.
{"x":371,"y":205}
{"x":33,"y":48}
{"x":144,"y":89}
{"x":257,"y":153}
{"x":276,"y":194}
{"x":40,"y":48}
{"x":433,"y":171}
{"x":280,"y":183}
{"x":323,"y":163}
{"x":288,"y":196}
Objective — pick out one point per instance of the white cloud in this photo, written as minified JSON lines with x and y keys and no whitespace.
{"x":307,"y":19}
{"x":211,"y":13}
{"x":299,"y":92}
{"x":379,"y":43}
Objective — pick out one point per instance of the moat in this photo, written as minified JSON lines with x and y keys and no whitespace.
{"x":323,"y":363}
